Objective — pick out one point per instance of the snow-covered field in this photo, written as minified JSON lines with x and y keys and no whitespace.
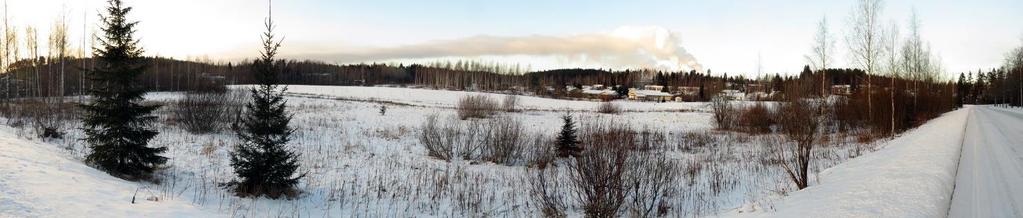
{"x":444,"y":98}
{"x":362,"y":163}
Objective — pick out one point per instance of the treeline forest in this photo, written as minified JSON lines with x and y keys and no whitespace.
{"x":917,"y":96}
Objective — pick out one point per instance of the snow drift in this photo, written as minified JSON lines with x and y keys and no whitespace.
{"x":37,"y":181}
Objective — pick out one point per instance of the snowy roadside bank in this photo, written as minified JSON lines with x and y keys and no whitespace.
{"x":38,"y":181}
{"x":912,"y":176}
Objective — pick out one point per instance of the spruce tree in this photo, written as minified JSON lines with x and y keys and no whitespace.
{"x":568,"y":145}
{"x":117,"y":126}
{"x":261,"y":161}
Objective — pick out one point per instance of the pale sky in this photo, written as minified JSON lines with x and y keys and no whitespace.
{"x":725,"y":36}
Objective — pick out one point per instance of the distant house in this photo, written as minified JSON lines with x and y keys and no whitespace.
{"x":732,"y":94}
{"x":688,"y":90}
{"x":759,"y":95}
{"x":602,"y":94}
{"x":593,"y":92}
{"x":648,"y":94}
{"x":841,"y":90}
{"x":754,"y":88}
{"x":653,"y":87}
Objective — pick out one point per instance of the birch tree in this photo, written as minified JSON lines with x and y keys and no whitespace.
{"x":915,"y":56}
{"x":32,"y":44}
{"x":59,"y":46}
{"x":11,"y":52}
{"x":893,"y":66}
{"x":864,"y":39}
{"x":821,"y":53}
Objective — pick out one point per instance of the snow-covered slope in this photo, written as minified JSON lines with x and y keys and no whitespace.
{"x":38,"y":181}
{"x":913,"y":176}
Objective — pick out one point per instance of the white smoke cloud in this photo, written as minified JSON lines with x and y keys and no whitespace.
{"x":625,"y":47}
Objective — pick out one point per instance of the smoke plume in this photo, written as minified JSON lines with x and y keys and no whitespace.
{"x":623,"y":48}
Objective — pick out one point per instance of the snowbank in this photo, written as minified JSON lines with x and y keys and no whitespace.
{"x":37,"y":181}
{"x":913,"y":176}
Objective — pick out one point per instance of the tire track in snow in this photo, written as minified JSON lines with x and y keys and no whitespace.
{"x":991,"y":166}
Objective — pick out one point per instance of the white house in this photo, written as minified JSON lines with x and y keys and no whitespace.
{"x":649,"y":95}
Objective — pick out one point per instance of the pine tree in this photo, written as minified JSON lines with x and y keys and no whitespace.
{"x":262,"y":162}
{"x":961,"y":90}
{"x":568,"y":145}
{"x":117,"y":126}
{"x":702,"y":94}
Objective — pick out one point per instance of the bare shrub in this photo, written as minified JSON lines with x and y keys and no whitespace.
{"x":653,"y":183}
{"x":505,"y":143}
{"x":498,"y":140}
{"x":52,"y":119}
{"x":608,"y":108}
{"x":476,"y":106}
{"x":649,"y":139}
{"x":546,"y":189}
{"x":471,"y":137}
{"x":206,"y":112}
{"x":691,"y":141}
{"x":620,"y":170}
{"x":510,"y":103}
{"x":653,"y":177}
{"x":49,"y":118}
{"x":599,"y":173}
{"x":801,"y":122}
{"x":724,"y":113}
{"x":438,"y":138}
{"x":756,"y":119}
{"x":539,"y":151}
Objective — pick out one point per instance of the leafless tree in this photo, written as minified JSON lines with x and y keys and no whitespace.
{"x":60,"y":46}
{"x":893,"y":66}
{"x":864,"y":41}
{"x":821,"y":54}
{"x":32,"y":44}
{"x":916,"y":57}
{"x":9,"y":46}
{"x":13,"y":55}
{"x":1014,"y":62}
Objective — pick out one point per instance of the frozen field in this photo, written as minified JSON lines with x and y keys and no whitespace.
{"x":444,"y":98}
{"x":360,"y":162}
